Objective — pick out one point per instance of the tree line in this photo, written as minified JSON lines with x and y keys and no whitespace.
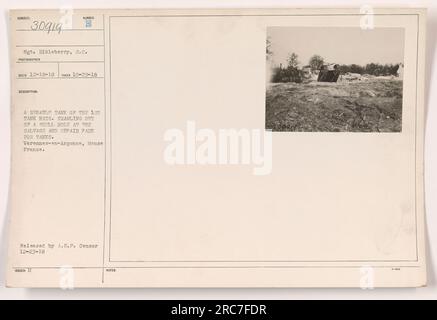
{"x":374,"y":69}
{"x":292,"y":73}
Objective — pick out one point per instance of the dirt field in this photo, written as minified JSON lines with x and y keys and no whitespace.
{"x":373,"y":105}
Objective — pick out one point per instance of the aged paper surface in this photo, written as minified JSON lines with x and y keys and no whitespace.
{"x":217,"y":148}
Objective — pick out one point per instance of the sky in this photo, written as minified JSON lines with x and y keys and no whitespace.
{"x":342,"y":45}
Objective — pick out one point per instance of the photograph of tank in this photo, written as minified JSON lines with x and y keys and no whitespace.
{"x":342,"y":79}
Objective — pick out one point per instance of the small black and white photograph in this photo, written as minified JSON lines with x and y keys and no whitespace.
{"x":334,"y":79}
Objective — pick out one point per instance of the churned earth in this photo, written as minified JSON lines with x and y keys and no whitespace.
{"x":373,"y":105}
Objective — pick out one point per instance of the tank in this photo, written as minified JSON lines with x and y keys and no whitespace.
{"x":329,"y":73}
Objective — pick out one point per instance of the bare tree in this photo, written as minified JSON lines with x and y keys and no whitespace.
{"x":269,"y":52}
{"x":293,"y":61}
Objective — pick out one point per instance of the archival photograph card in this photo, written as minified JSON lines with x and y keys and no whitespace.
{"x":217,"y":148}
